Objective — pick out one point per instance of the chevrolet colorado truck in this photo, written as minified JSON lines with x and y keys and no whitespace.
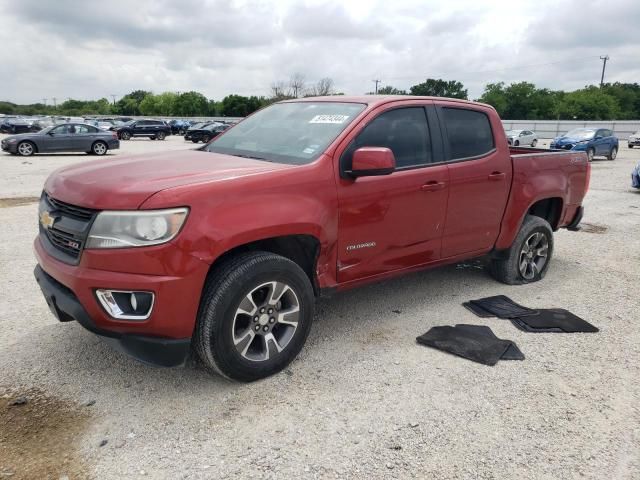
{"x":221,"y":251}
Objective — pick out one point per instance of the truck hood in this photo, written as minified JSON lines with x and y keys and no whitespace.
{"x":124,"y":184}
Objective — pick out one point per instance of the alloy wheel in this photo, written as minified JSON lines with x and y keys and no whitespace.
{"x":25,"y":149}
{"x":99,"y":148}
{"x":533,"y":255}
{"x":265,"y":321}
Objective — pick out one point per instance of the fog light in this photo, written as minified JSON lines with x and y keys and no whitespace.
{"x":126,"y":304}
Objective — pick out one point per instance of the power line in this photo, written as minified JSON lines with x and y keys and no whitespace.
{"x":604,"y":66}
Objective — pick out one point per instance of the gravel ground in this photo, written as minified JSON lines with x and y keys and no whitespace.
{"x":363,"y":400}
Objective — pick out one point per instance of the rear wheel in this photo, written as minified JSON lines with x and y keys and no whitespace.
{"x":206,"y":139}
{"x":535,"y":142}
{"x":125,"y":135}
{"x":590,"y":154}
{"x":195,"y":140}
{"x":26,"y":149}
{"x":517,"y":143}
{"x":255,"y":316}
{"x":99,"y":148}
{"x":527,"y":260}
{"x":613,"y":153}
{"x":161,"y":135}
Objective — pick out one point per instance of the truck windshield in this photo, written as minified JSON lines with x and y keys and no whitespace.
{"x":581,"y":133}
{"x":294,"y":133}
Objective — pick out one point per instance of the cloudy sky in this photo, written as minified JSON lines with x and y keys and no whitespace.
{"x":89,"y":49}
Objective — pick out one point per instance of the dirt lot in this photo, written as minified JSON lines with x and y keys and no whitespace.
{"x":363,"y":400}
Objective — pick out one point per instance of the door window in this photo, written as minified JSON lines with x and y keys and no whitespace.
{"x":468,"y":132}
{"x":404,"y":131}
{"x":61,"y":130}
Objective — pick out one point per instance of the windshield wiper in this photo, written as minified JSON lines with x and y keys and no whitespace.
{"x":252,"y":157}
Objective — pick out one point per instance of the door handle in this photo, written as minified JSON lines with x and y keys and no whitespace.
{"x":432,"y":186}
{"x":497,"y":176}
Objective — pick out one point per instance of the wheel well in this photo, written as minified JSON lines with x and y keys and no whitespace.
{"x":301,"y":249}
{"x":550,"y":209}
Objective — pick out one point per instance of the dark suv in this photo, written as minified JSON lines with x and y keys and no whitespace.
{"x":154,"y":129}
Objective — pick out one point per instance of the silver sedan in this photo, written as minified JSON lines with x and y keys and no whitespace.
{"x":67,"y":137}
{"x":522,"y":137}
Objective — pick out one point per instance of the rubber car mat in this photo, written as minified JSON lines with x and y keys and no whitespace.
{"x":503,"y":307}
{"x":479,"y":311}
{"x":466,"y":344}
{"x":512,"y":353}
{"x":554,"y":320}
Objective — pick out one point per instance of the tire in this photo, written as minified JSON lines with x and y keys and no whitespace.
{"x":517,"y":143}
{"x":613,"y":153}
{"x":206,"y":139}
{"x":535,"y":142}
{"x":161,"y":135}
{"x":590,"y":154}
{"x":527,"y":249}
{"x":125,"y":136}
{"x":152,"y":138}
{"x":195,"y":140}
{"x":26,"y":149}
{"x":99,"y":148}
{"x":222,"y":325}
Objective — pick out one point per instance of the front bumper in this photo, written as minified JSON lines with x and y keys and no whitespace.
{"x":9,"y":147}
{"x":163,"y":338}
{"x":634,"y":143}
{"x":65,"y":306}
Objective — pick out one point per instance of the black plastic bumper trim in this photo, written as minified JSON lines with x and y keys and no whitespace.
{"x":65,"y":306}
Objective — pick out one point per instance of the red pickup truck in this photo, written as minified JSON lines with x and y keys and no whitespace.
{"x":222,"y":250}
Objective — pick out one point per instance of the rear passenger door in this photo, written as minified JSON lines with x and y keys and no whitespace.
{"x":394,"y":221}
{"x":601,"y":142}
{"x":480,"y":175}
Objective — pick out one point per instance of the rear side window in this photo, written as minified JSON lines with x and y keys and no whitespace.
{"x":404,"y":131}
{"x":468,"y":132}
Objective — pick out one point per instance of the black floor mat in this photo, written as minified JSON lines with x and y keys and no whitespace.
{"x":470,"y":342}
{"x":554,"y":320}
{"x":503,"y":307}
{"x":479,"y":311}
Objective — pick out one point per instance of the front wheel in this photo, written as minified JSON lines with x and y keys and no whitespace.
{"x":590,"y":154}
{"x":125,"y":136}
{"x":26,"y":149}
{"x":613,"y":154}
{"x":254,"y":317}
{"x":535,"y":142}
{"x":528,"y":258}
{"x":517,"y":143}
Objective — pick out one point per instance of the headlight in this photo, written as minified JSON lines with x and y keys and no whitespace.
{"x":12,"y":140}
{"x":125,"y":229}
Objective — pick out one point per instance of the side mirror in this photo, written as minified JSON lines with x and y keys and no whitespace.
{"x":372,"y":161}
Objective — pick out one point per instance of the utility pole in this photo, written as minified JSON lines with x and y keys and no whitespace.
{"x":55,"y":105}
{"x":113,"y":96}
{"x":376,"y":82}
{"x":604,"y":65}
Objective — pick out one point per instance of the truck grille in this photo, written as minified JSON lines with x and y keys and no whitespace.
{"x":66,"y":238}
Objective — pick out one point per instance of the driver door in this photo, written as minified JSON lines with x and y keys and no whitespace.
{"x":394,"y":221}
{"x":58,"y":139}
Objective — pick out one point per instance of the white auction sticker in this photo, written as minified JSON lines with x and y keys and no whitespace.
{"x":329,"y":119}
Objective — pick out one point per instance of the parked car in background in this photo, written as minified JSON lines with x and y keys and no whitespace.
{"x":179,"y":127}
{"x":41,"y":123}
{"x":67,"y":137}
{"x":14,"y":125}
{"x":223,"y":250}
{"x":596,"y":142}
{"x":104,"y":125}
{"x":153,"y":129}
{"x":196,"y":129}
{"x":635,"y":176}
{"x":634,"y":139}
{"x":522,"y":137}
{"x":206,"y":133}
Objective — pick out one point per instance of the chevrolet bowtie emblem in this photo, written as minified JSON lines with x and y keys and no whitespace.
{"x":47,"y":220}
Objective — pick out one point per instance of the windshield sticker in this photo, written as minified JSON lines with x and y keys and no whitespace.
{"x":329,"y":119}
{"x":309,"y":150}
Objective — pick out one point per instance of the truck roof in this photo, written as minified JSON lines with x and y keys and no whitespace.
{"x":374,"y":100}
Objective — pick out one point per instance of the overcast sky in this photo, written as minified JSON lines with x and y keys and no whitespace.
{"x":90,"y":49}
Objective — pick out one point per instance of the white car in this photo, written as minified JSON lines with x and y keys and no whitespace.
{"x":522,"y":137}
{"x":634,"y":140}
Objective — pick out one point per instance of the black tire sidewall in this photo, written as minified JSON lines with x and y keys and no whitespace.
{"x":222,"y":350}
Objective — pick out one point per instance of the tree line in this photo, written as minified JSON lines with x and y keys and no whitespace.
{"x":517,"y":101}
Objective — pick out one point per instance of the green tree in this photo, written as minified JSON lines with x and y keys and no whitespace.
{"x":239,"y":106}
{"x":627,"y":96}
{"x":191,"y":103}
{"x":440,"y":88}
{"x":590,"y":103}
{"x":495,"y":96}
{"x":389,"y":90}
{"x":130,"y":103}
